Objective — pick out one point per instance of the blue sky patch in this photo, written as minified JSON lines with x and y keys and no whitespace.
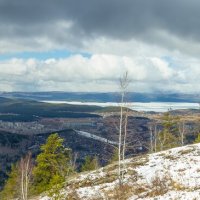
{"x":57,"y":54}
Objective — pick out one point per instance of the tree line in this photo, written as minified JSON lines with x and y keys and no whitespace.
{"x":46,"y":173}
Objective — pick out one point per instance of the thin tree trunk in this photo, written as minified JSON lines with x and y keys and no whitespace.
{"x":123,"y":87}
{"x":125,"y":135}
{"x":120,"y":139}
{"x":182,"y":132}
{"x":155,"y":138}
{"x":22,"y":178}
{"x":27,"y":176}
{"x":74,"y":161}
{"x":151,"y":140}
{"x":124,"y":142}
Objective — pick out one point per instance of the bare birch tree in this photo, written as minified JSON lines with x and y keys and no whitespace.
{"x":154,"y":134}
{"x":125,"y":134}
{"x":25,"y":172}
{"x":181,"y":129}
{"x":124,"y":141}
{"x":151,"y":139}
{"x":123,"y":89}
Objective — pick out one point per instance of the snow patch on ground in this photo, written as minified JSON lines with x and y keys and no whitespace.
{"x":178,"y":169}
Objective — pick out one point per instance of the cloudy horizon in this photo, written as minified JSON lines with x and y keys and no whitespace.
{"x":85,"y":46}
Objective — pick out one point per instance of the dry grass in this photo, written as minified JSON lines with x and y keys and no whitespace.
{"x":178,"y":186}
{"x":138,"y":161}
{"x":122,"y":192}
{"x":73,"y":196}
{"x":159,"y":186}
{"x":186,"y":151}
{"x":170,"y":157}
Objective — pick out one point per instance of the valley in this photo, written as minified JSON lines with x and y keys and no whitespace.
{"x":87,"y":130}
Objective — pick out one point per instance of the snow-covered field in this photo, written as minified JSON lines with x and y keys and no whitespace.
{"x":138,"y":106}
{"x":168,"y":175}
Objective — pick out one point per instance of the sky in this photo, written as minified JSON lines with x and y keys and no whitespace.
{"x":86,"y":46}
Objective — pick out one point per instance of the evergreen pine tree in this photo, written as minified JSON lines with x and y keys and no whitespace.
{"x":11,"y":188}
{"x":197,"y":140}
{"x":90,"y":164}
{"x":52,"y":165}
{"x":114,"y":156}
{"x":168,"y":137}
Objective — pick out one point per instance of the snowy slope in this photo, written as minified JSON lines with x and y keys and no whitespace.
{"x":169,"y":175}
{"x":95,"y":137}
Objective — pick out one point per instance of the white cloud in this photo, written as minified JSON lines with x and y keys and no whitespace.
{"x":100,"y":72}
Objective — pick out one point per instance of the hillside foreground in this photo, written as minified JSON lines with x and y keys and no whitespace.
{"x":167,"y":175}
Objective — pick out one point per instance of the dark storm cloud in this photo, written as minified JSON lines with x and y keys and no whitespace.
{"x":118,"y":19}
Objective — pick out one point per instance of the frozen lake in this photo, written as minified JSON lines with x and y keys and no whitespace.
{"x":152,"y":106}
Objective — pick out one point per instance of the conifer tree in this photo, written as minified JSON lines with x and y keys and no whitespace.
{"x":90,"y":164}
{"x":11,"y":188}
{"x":197,"y":140}
{"x":168,"y":136}
{"x":52,"y":165}
{"x":114,"y":156}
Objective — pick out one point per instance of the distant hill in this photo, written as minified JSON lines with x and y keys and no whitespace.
{"x":31,"y":110}
{"x":103,"y":97}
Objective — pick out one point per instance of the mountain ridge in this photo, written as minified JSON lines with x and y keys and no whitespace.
{"x":104,"y":97}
